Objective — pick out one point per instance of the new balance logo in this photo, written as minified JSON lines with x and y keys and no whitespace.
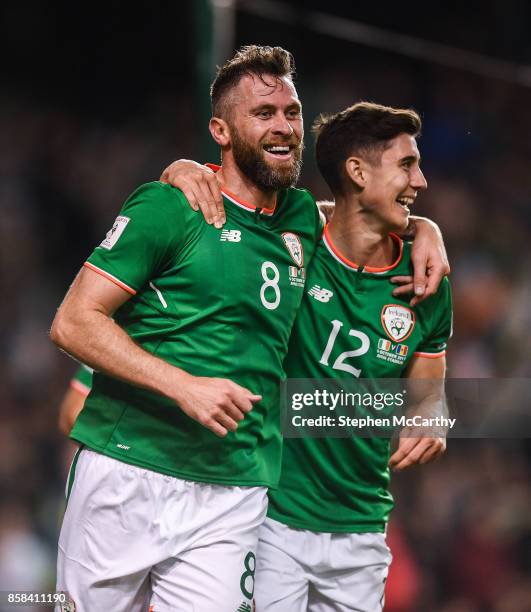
{"x":230,"y":235}
{"x":320,"y":294}
{"x":244,"y":607}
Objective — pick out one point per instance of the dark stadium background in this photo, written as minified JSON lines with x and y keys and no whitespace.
{"x":97,"y":98}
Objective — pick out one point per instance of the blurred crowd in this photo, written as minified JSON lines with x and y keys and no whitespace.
{"x":461,"y":532}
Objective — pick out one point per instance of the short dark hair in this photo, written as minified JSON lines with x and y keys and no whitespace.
{"x":363,"y":129}
{"x":249,"y":60}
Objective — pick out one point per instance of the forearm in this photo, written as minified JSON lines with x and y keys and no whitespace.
{"x":426,"y":394}
{"x":432,"y":409}
{"x":95,"y":339}
{"x":424,"y":442}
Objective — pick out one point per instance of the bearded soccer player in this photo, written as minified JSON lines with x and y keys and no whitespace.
{"x":322,"y":547}
{"x":187,"y":327}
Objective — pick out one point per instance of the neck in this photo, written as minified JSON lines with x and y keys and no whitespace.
{"x":232,"y":178}
{"x":359,"y":237}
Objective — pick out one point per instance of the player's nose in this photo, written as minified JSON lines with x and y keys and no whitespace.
{"x":418,"y":180}
{"x":281,"y":125}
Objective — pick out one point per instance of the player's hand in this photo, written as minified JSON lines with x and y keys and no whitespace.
{"x":415,"y":450}
{"x":217,"y":403}
{"x":430,"y":262}
{"x":200,"y":187}
{"x":405,"y":285}
{"x":326,"y":210}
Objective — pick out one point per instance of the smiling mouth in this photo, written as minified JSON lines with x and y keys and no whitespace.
{"x":405,"y":202}
{"x":279,"y":151}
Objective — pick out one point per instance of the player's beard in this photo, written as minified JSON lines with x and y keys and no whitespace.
{"x":251,"y":161}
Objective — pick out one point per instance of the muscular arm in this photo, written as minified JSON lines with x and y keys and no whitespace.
{"x":429,"y":402}
{"x":83,"y":327}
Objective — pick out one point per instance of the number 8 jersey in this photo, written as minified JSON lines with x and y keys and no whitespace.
{"x":216,"y":303}
{"x":350,"y":324}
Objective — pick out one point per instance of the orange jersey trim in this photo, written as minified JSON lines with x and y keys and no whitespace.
{"x":355,"y":266}
{"x":244,"y":204}
{"x":110,"y":277}
{"x":79,"y":387}
{"x":236,"y":200}
{"x":430,"y":355}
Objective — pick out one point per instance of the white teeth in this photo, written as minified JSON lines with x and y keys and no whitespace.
{"x":405,"y":201}
{"x":278,"y":149}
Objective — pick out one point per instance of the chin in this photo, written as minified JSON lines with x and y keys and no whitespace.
{"x":402,"y":221}
{"x":396,"y":226}
{"x":403,"y":226}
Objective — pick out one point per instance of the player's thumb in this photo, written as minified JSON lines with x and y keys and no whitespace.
{"x":253,"y":397}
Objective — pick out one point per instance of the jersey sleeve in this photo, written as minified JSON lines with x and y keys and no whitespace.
{"x":147,"y":233}
{"x":82,"y":380}
{"x":439,"y":329}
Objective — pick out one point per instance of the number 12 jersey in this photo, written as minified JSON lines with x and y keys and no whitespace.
{"x":350,"y":325}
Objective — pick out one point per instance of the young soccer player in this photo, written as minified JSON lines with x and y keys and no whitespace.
{"x":322,"y":546}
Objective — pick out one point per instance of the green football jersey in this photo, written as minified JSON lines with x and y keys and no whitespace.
{"x":82,"y":380}
{"x":217,"y":303}
{"x":341,"y":484}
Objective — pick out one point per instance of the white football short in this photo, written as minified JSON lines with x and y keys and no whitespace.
{"x":134,"y":540}
{"x":307,"y":571}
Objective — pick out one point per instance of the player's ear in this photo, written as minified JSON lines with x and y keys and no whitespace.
{"x":220,"y":131}
{"x":356,"y":171}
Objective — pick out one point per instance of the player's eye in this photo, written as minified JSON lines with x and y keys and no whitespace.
{"x":264,"y":114}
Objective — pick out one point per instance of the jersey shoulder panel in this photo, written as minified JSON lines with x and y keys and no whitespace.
{"x":154,"y":223}
{"x":158,"y":203}
{"x":302,"y":198}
